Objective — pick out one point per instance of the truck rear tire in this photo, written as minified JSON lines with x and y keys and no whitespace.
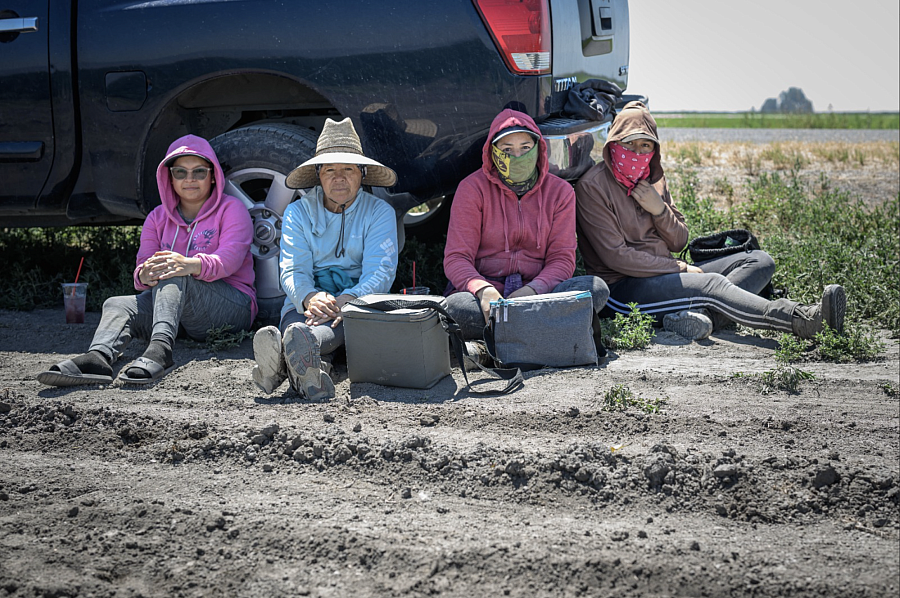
{"x":429,"y":226}
{"x":256,"y":160}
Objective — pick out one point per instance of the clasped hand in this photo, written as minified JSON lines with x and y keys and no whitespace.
{"x":324,"y":307}
{"x":167,"y":264}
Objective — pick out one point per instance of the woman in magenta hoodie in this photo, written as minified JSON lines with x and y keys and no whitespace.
{"x":194,"y":269}
{"x":512,"y":228}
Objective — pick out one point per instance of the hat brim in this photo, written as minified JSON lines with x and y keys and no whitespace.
{"x":511,"y":130}
{"x":377,"y":174}
{"x":172,"y":159}
{"x":636,"y":136}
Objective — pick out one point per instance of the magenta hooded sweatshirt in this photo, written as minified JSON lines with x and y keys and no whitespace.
{"x":494,"y":233}
{"x":220,"y":235}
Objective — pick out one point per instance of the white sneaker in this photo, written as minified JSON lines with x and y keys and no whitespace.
{"x":304,"y":364}
{"x":269,"y":371}
{"x":692,"y":325}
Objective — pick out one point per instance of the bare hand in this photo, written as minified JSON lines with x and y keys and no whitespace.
{"x":322,"y":307}
{"x":485,"y":296}
{"x":648,"y":198}
{"x":176,"y":264}
{"x":686,"y":267}
{"x":525,"y":291}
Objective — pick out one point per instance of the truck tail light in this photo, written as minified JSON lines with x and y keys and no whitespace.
{"x":521,"y":30}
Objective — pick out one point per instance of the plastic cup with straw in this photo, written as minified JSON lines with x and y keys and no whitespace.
{"x":414,"y":290}
{"x":74,"y":295}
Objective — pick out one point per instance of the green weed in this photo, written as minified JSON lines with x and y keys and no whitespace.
{"x":890,"y":390}
{"x":620,"y":398}
{"x":784,"y":377}
{"x":790,"y":349}
{"x":857,"y":343}
{"x":627,"y":332}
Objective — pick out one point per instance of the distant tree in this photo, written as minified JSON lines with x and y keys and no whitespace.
{"x":770,"y":106}
{"x":793,"y":101}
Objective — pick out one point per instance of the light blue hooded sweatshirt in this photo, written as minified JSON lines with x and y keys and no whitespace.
{"x":310,"y":236}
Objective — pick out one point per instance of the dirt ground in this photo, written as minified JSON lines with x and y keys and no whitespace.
{"x":203,"y":486}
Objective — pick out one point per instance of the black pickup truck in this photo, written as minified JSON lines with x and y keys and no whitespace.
{"x":93,"y":91}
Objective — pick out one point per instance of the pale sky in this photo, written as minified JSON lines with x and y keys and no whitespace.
{"x":724,"y":55}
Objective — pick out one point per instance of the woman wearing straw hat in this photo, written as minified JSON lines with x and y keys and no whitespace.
{"x":337,"y":243}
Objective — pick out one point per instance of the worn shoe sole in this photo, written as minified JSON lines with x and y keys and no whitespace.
{"x":834,"y":307}
{"x":689,"y":324}
{"x":304,"y":365}
{"x":270,"y":370}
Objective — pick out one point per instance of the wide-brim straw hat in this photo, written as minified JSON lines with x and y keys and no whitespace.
{"x":339,"y":144}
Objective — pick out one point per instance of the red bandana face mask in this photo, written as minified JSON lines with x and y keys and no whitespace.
{"x":629,"y":167}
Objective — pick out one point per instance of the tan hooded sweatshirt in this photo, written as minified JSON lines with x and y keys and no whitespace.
{"x":617,"y":237}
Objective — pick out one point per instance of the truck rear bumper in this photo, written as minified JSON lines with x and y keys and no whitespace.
{"x":575,"y":145}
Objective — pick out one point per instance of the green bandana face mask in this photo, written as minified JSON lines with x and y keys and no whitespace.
{"x":515,"y":169}
{"x":519,"y":173}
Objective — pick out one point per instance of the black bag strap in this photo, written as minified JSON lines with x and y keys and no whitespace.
{"x":513,"y":376}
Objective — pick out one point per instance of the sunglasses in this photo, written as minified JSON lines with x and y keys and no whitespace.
{"x":197,"y":174}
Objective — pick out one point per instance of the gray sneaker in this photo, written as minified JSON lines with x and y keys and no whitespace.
{"x":269,"y":371}
{"x":304,"y":364}
{"x":809,"y":320}
{"x":693,"y":325}
{"x":478,"y":353}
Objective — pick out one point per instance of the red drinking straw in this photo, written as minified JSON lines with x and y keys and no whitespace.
{"x":77,"y":274}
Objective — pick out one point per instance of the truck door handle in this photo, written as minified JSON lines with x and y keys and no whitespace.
{"x":19,"y":25}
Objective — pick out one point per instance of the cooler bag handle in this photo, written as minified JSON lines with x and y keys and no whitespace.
{"x":513,"y":376}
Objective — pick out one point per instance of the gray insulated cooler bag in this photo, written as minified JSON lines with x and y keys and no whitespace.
{"x":542,"y":330}
{"x":399,"y":347}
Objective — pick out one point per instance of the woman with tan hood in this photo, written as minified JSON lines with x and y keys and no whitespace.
{"x":628,"y":227}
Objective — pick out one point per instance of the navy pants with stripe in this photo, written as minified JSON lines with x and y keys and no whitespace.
{"x":728,"y":288}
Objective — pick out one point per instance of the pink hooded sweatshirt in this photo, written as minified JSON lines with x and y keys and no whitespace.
{"x":494,"y":233}
{"x":220,"y":235}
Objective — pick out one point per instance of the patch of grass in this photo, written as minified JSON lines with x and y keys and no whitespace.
{"x":688,"y":153}
{"x":222,"y":338}
{"x":621,"y":398}
{"x":817,"y":235}
{"x":890,"y":390}
{"x":701,"y":214}
{"x":39,"y":259}
{"x":628,"y":332}
{"x":857,"y":343}
{"x":756,"y":120}
{"x":783,"y":158}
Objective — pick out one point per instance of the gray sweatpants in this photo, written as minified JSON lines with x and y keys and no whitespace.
{"x":464,"y":307}
{"x":329,"y":338}
{"x":727,"y":288}
{"x":182,"y":302}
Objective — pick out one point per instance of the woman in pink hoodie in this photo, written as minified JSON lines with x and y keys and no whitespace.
{"x":194,"y":269}
{"x":512,"y":229}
